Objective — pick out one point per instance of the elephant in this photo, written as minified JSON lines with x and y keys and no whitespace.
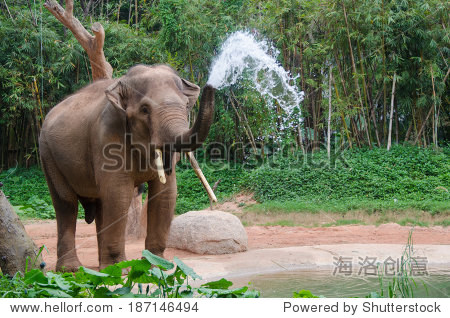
{"x":100,"y":143}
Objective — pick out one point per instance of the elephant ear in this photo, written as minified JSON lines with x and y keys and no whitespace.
{"x":116,"y":94}
{"x":191,"y":91}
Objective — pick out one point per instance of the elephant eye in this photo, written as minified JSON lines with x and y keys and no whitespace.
{"x":145,"y":110}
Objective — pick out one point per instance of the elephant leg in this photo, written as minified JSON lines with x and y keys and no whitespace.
{"x":98,"y":224}
{"x":111,"y":222}
{"x":66,"y":220}
{"x":160,"y":211}
{"x":65,"y":203}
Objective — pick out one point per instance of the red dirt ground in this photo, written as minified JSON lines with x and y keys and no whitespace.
{"x":44,"y":233}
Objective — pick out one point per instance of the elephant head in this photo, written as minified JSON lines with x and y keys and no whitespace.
{"x":156,"y":102}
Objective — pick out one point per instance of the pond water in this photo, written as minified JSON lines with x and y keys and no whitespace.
{"x":323,"y":282}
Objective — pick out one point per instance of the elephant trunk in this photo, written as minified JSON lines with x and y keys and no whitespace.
{"x":196,"y":135}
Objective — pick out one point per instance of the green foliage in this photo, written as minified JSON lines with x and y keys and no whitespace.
{"x":28,"y":193}
{"x":35,"y":208}
{"x":402,"y":174}
{"x":366,"y":180}
{"x":150,"y":276}
{"x":25,"y":185}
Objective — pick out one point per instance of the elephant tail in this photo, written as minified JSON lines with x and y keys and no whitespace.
{"x":90,"y":208}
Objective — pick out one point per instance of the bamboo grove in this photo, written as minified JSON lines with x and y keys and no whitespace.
{"x":374,"y":73}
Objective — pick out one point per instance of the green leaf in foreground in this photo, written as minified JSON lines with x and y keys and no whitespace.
{"x":219,"y":284}
{"x":35,"y":276}
{"x":92,"y":272}
{"x":304,"y":294}
{"x":186,"y":269}
{"x":157,"y":261}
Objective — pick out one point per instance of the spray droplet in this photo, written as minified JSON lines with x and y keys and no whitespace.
{"x":242,"y":55}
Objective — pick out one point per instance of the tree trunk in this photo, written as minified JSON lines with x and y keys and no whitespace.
{"x":93,"y":45}
{"x":15,"y":244}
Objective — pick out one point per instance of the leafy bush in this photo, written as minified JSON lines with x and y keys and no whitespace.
{"x":151,"y":276}
{"x":21,"y":185}
{"x":36,"y":208}
{"x":404,"y":173}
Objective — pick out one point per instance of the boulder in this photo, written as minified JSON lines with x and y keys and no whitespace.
{"x":208,"y":232}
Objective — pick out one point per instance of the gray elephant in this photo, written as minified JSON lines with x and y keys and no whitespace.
{"x":98,"y":144}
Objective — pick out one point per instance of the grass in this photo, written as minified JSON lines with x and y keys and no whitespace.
{"x":369,"y":206}
{"x":281,"y":223}
{"x":413,"y":222}
{"x":263,"y":214}
{"x":343,"y":222}
{"x":444,"y":223}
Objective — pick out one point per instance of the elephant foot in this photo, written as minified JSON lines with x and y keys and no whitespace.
{"x":158,"y":251}
{"x":107,"y":261}
{"x":68,"y":265}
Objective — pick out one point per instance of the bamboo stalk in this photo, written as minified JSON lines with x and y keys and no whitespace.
{"x":434,"y":111}
{"x":200,"y":175}
{"x":446,"y":76}
{"x":329,"y":114}
{"x":391,"y":114}
{"x":423,"y":125}
{"x":118,"y":11}
{"x":343,"y":118}
{"x":300,"y":139}
{"x":247,"y":129}
{"x":408,"y":132}
{"x":129,"y":13}
{"x":245,"y":122}
{"x":38,"y":101}
{"x":7,"y":8}
{"x":136,"y":12}
{"x":358,"y":90}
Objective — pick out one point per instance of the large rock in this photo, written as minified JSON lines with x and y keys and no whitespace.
{"x":208,"y":232}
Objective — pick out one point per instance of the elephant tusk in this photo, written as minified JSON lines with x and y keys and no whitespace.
{"x":160,"y":166}
{"x":200,"y":175}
